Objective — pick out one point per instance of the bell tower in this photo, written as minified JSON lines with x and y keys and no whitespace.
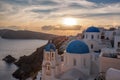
{"x":50,"y":61}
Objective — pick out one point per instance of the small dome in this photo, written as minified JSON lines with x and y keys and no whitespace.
{"x":92,"y":29}
{"x":50,"y":46}
{"x":77,"y":47}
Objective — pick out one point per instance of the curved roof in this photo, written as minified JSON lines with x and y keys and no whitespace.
{"x":92,"y":29}
{"x":77,"y":47}
{"x":50,"y":47}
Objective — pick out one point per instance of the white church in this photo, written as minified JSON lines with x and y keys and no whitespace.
{"x":81,"y":59}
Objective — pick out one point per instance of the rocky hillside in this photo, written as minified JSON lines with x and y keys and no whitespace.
{"x":29,"y":65}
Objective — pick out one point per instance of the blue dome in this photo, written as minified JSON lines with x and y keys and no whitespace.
{"x":92,"y":29}
{"x":77,"y":47}
{"x":49,"y":47}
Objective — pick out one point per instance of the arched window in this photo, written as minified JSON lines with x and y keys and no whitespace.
{"x":118,"y":44}
{"x":62,"y":58}
{"x":48,"y":69}
{"x":86,"y":35}
{"x":84,"y":62}
{"x":91,"y":46}
{"x":107,"y":38}
{"x":92,"y":37}
{"x":47,"y":56}
{"x":83,"y":36}
{"x":74,"y":62}
{"x":52,"y":56}
{"x":98,"y":36}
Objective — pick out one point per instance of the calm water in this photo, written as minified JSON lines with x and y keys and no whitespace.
{"x":16,"y":48}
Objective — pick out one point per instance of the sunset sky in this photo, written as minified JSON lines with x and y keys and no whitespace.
{"x":33,"y":14}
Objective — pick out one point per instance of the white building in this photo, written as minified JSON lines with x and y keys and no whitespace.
{"x":113,"y":74}
{"x":110,"y":56}
{"x":80,"y":60}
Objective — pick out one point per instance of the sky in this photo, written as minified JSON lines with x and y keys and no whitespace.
{"x":35,"y":14}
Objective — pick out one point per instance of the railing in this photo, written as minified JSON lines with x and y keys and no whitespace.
{"x":110,"y":55}
{"x":100,"y":76}
{"x":118,"y":50}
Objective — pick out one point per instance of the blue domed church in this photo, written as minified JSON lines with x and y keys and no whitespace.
{"x":76,"y":61}
{"x":92,"y":29}
{"x":78,"y":47}
{"x":77,"y":56}
{"x":91,"y":37}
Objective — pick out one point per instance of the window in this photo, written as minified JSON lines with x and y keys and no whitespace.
{"x":48,"y":66}
{"x":83,"y":36}
{"x":114,"y":33}
{"x":86,"y":35}
{"x":84,"y":62}
{"x":91,"y":46}
{"x":48,"y":70}
{"x":92,"y":37}
{"x":62,"y":58}
{"x":102,"y":37}
{"x":98,"y":36}
{"x":118,"y":44}
{"x":52,"y":56}
{"x":107,"y":38}
{"x":74,"y":62}
{"x":47,"y":56}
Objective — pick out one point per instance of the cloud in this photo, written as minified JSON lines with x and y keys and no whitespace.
{"x":30,"y":2}
{"x":104,"y":1}
{"x":85,"y":3}
{"x":113,"y":9}
{"x":98,"y":15}
{"x":103,"y":14}
{"x":45,"y":2}
{"x":16,"y":2}
{"x":12,"y":8}
{"x":10,"y":27}
{"x":50,"y":27}
{"x":44,"y":10}
{"x":22,"y":11}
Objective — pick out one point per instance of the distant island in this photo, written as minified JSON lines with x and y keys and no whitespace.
{"x":25,"y":34}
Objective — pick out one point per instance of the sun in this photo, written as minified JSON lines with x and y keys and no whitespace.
{"x":69,"y":21}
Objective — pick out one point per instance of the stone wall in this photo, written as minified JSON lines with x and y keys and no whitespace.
{"x":106,"y":63}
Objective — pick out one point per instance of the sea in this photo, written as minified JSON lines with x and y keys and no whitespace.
{"x":16,"y":48}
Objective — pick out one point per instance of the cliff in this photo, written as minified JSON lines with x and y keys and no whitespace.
{"x":2,"y":31}
{"x":29,"y":65}
{"x":24,"y":34}
{"x":9,"y":59}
